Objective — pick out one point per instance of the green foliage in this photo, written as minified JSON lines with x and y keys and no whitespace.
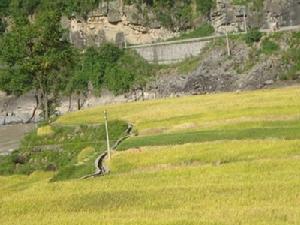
{"x":38,"y":58}
{"x":130,"y":70}
{"x":254,"y":4}
{"x":119,"y":79}
{"x":108,"y":66}
{"x":202,"y":31}
{"x":214,"y":135}
{"x":4,"y":5}
{"x":180,"y":17}
{"x":79,"y":6}
{"x":61,"y":151}
{"x":14,"y":77}
{"x":292,"y":59}
{"x":254,"y":35}
{"x":2,"y":26}
{"x":269,"y":47}
{"x":68,"y":7}
{"x":204,"y":6}
{"x":107,"y":56}
{"x":15,"y":81}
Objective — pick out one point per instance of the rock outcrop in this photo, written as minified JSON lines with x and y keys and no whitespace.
{"x":218,"y":73}
{"x":283,"y":12}
{"x":141,"y":25}
{"x":226,"y":17}
{"x":107,"y":22}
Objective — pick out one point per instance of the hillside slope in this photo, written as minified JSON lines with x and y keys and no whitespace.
{"x":200,"y":176}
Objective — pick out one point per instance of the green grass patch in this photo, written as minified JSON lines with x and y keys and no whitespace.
{"x":213,"y":135}
{"x":70,"y":151}
{"x":269,"y":47}
{"x":292,"y":58}
{"x":203,"y":31}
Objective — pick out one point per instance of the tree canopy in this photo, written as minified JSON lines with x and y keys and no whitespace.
{"x":37,"y":58}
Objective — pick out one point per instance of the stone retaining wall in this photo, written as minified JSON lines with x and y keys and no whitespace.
{"x":171,"y":52}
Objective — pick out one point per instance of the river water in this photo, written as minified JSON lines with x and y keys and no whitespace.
{"x":10,"y":136}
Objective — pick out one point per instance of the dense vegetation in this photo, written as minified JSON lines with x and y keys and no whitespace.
{"x":202,"y":31}
{"x":181,"y":16}
{"x":36,"y":56}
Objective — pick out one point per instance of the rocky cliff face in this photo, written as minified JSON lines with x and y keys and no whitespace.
{"x":113,"y":23}
{"x":233,"y":18}
{"x":133,"y":24}
{"x":217,"y":73}
{"x":285,"y":12}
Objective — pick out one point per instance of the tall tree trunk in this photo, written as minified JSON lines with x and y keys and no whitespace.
{"x":70,"y":103}
{"x":39,"y":98}
{"x":45,"y":106}
{"x":78,"y":101}
{"x":143,"y":94}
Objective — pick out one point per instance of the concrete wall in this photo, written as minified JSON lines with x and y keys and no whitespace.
{"x":171,"y":52}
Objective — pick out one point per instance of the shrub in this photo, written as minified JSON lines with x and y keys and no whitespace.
{"x":130,"y":70}
{"x":204,"y":6}
{"x":254,"y":35}
{"x":202,"y":31}
{"x":292,"y":58}
{"x":268,"y":47}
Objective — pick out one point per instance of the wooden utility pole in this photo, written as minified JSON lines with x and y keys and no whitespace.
{"x":228,"y":45}
{"x":245,"y":20}
{"x":107,"y":136}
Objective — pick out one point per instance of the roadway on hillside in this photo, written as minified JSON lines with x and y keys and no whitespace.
{"x":286,"y":28}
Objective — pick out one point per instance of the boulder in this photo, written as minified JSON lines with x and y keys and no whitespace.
{"x":283,"y":12}
{"x":114,"y":16}
{"x":77,"y":39}
{"x":133,"y":15}
{"x":269,"y":82}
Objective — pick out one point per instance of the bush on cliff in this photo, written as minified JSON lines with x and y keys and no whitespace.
{"x":254,"y":35}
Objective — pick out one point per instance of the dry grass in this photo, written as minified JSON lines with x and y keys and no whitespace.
{"x":210,"y":111}
{"x":45,"y":131}
{"x":244,"y":182}
{"x":263,"y":190}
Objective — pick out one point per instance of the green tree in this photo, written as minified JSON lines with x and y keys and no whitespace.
{"x":39,"y":53}
{"x":130,"y":72}
{"x":98,"y":60}
{"x":78,"y":84}
{"x":14,"y":77}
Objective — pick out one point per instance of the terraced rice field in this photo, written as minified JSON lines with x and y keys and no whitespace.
{"x":220,"y":159}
